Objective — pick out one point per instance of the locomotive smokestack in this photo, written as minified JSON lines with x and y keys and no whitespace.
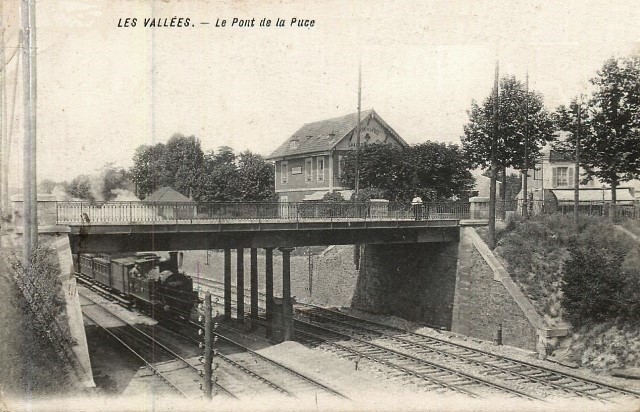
{"x":173,"y":259}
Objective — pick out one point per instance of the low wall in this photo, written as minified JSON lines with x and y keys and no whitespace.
{"x":486,"y":297}
{"x":82,"y":364}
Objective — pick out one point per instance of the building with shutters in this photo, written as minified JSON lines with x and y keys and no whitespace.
{"x":552,"y":181}
{"x":308,"y":163}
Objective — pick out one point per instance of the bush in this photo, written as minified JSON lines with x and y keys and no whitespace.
{"x":41,"y":288}
{"x":601,"y":279}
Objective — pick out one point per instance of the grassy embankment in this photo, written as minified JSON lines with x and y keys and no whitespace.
{"x":37,"y":334}
{"x":536,"y":253}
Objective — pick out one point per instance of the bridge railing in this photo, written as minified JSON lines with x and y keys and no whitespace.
{"x":77,"y":212}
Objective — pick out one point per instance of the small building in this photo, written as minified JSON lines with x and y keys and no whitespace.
{"x":309,"y":163}
{"x":166,"y":194}
{"x":171,"y":204}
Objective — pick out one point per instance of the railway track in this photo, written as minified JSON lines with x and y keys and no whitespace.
{"x":263,"y":371}
{"x":283,"y":379}
{"x":526,"y":377}
{"x":521,"y":373}
{"x":171,"y":368}
{"x":427,"y":375}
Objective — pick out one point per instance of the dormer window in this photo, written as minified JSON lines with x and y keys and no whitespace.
{"x":293,"y":144}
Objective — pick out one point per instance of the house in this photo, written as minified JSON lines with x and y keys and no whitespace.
{"x":551,"y":182}
{"x":308,"y":164}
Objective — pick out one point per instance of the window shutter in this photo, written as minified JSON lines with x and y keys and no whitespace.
{"x":570,"y":180}
{"x":554,"y":177}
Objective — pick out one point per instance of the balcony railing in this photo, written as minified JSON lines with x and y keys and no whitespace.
{"x":76,"y":212}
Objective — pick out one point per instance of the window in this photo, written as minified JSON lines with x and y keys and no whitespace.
{"x":320,"y":169}
{"x":562,"y":176}
{"x":293,"y":144}
{"x":284,"y":172}
{"x":308,"y":169}
{"x":340,"y":157}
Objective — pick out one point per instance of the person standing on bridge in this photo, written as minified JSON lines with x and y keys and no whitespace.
{"x":416,"y":204}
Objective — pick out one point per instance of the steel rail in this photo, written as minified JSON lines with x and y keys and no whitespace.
{"x":159,"y":344}
{"x":480,"y":351}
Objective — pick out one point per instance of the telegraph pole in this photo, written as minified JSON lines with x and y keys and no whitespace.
{"x":576,"y":183}
{"x":30,"y":214}
{"x":494,"y":164}
{"x":358,"y":131}
{"x":208,"y":346}
{"x":525,"y":181}
{"x":3,"y":118}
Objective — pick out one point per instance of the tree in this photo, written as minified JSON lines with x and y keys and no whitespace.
{"x":432,"y":170}
{"x":182,"y":161}
{"x":512,"y":120}
{"x":610,"y":150}
{"x":219,"y":179}
{"x":256,"y":178}
{"x":436,"y":171}
{"x":380,"y":165}
{"x":147,"y":171}
{"x":177,"y":164}
{"x":227,"y":177}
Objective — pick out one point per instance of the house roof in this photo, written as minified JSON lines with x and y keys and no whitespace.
{"x":166,"y":194}
{"x":326,"y":134}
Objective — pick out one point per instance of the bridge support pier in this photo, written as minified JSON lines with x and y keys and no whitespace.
{"x":287,"y":305}
{"x":254,"y":288}
{"x":240,"y":284}
{"x":269,"y":289}
{"x":227,"y":284}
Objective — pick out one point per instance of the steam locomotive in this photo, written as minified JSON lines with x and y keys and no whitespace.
{"x":155,"y":284}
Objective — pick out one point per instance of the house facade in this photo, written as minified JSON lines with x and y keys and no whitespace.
{"x":551,"y":182}
{"x":309,"y":163}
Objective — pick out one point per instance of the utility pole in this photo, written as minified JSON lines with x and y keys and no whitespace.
{"x":208,"y":346}
{"x":494,"y":164}
{"x":29,"y":155}
{"x":525,"y":176}
{"x":3,"y":118}
{"x":576,"y":183}
{"x":358,"y":131}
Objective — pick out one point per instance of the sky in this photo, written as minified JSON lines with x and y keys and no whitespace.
{"x":103,"y":90}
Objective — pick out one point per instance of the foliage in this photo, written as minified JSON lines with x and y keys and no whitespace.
{"x":333,"y":196}
{"x":380,"y":166}
{"x":227,"y":177}
{"x":512,"y":127}
{"x":148,"y":170}
{"x":182,"y":161}
{"x":596,"y":284}
{"x":369,"y":193}
{"x":431,"y":170}
{"x":80,"y":187}
{"x":40,"y":284}
{"x":585,"y":277}
{"x":256,"y":178}
{"x":610,"y":139}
